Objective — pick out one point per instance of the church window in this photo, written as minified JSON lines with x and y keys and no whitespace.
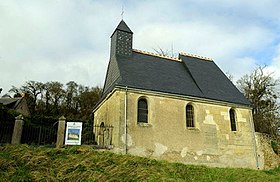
{"x":189,"y":115}
{"x":232,"y":119}
{"x":142,"y":111}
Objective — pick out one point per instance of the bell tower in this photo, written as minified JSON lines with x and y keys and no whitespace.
{"x":121,"y":41}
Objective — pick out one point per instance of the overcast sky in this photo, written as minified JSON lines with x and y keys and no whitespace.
{"x":64,"y":40}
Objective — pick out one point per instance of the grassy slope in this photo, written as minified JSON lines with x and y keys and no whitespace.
{"x":23,"y":162}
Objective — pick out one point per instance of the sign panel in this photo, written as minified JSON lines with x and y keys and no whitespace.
{"x":73,"y":133}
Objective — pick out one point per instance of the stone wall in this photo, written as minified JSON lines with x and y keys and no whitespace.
{"x":110,"y":112}
{"x":22,"y":107}
{"x":267,"y":158}
{"x":211,"y":142}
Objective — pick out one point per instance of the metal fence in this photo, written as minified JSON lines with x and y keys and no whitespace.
{"x":103,"y":135}
{"x":88,"y":137}
{"x":46,"y":134}
{"x":6,"y":131}
{"x":39,"y":135}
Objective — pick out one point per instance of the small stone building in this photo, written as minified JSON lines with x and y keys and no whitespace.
{"x":181,"y":109}
{"x":18,"y":104}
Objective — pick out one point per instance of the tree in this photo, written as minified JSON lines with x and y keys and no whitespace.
{"x":260,"y":89}
{"x":55,"y":94}
{"x":55,"y":99}
{"x":16,"y":91}
{"x":33,"y":89}
{"x":162,"y":52}
{"x":230,"y":76}
{"x":71,"y":95}
{"x":88,"y":98}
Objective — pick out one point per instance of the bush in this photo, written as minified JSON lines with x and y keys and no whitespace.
{"x":274,"y":146}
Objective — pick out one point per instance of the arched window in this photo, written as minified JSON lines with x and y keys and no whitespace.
{"x":142,"y":111}
{"x":189,"y":116}
{"x":232,"y":120}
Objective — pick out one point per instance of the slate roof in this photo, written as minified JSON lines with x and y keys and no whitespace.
{"x":123,"y":27}
{"x":10,"y":102}
{"x":186,"y":76}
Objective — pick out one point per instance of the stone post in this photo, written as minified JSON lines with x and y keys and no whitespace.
{"x":60,"y":132}
{"x":17,"y":130}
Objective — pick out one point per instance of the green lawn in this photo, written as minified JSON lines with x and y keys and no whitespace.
{"x":23,"y":163}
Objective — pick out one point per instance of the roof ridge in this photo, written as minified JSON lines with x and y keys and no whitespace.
{"x":196,"y":56}
{"x":13,"y":98}
{"x":157,"y":55}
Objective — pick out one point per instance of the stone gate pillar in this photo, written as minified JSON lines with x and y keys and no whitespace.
{"x":17,"y":130}
{"x":60,"y":132}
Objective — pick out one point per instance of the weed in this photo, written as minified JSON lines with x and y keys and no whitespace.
{"x":21,"y":174}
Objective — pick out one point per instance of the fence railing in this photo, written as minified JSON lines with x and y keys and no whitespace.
{"x":39,"y":134}
{"x":88,"y":137}
{"x":103,"y":135}
{"x":6,"y":131}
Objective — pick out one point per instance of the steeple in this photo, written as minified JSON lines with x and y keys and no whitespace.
{"x":121,"y":40}
{"x":123,"y":27}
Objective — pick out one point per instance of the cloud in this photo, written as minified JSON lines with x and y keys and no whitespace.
{"x":229,"y":48}
{"x":53,"y":40}
{"x":70,"y":40}
{"x":274,"y":67}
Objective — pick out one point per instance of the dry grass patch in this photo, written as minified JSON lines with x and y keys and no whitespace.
{"x":78,"y":163}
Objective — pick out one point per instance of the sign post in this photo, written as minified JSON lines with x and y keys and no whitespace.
{"x":73,"y":133}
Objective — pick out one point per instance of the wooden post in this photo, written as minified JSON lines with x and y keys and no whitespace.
{"x":60,"y":132}
{"x":17,"y":130}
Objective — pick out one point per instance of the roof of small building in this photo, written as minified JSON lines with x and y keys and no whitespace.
{"x":188,"y":75}
{"x":12,"y":102}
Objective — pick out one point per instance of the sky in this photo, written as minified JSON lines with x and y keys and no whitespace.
{"x":63,"y":40}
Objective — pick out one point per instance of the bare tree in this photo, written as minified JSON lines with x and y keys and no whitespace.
{"x":53,"y":98}
{"x":16,"y":91}
{"x":33,"y":89}
{"x":229,"y":75}
{"x":162,"y":52}
{"x":260,"y":89}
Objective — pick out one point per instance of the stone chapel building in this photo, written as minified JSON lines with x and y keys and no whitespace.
{"x":181,"y":109}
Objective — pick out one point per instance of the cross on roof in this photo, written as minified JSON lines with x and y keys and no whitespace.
{"x":122,"y":12}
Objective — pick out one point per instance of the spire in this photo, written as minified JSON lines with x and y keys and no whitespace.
{"x":121,"y":40}
{"x":123,"y":27}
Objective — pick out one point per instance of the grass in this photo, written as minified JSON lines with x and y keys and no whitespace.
{"x":30,"y":163}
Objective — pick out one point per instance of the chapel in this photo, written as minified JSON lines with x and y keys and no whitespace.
{"x":182,"y":109}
